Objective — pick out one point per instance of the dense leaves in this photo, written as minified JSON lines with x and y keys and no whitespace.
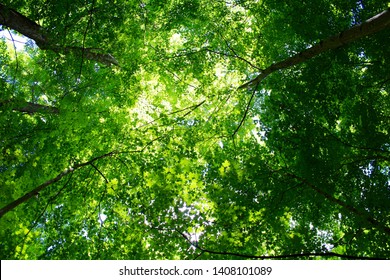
{"x":162,"y":156}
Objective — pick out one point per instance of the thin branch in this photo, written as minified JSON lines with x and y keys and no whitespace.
{"x":67,"y":171}
{"x":287,"y":256}
{"x":101,"y":174}
{"x":237,"y":56}
{"x":246,"y":111}
{"x":343,"y":204}
{"x":219,"y":106}
{"x":16,"y":59}
{"x":234,"y":56}
{"x":290,"y":256}
{"x":189,"y":108}
{"x":351,"y":145}
{"x":194,"y":108}
{"x":85,"y":36}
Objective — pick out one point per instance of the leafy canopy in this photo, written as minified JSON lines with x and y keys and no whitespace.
{"x":163,"y":157}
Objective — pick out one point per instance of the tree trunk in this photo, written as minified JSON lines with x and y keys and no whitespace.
{"x":41,"y":187}
{"x":33,"y":108}
{"x":377,"y":23}
{"x":29,"y":107}
{"x":18,"y":22}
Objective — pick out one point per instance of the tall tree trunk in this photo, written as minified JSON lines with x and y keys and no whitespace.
{"x":18,"y":22}
{"x":377,"y":23}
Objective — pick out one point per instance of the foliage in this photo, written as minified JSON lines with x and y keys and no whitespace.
{"x":163,"y":157}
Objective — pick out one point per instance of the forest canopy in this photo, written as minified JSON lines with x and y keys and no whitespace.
{"x":194,"y":129}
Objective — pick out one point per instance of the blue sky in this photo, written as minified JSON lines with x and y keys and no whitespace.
{"x":13,"y":39}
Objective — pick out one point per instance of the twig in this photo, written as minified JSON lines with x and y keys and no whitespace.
{"x":246,"y":111}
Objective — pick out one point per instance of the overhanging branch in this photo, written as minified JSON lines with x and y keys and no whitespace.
{"x":20,"y":23}
{"x":29,"y":107}
{"x":373,"y":25}
{"x":41,"y":187}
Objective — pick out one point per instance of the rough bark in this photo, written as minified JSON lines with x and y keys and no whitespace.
{"x":20,"y":23}
{"x":375,"y":24}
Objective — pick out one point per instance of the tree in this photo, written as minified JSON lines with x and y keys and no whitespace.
{"x":165,"y":153}
{"x":372,"y":25}
{"x":42,"y":38}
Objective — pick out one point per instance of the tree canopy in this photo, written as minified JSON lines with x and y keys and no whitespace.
{"x":195,"y":129}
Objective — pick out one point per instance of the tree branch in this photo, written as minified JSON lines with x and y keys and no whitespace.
{"x":30,"y":107}
{"x":50,"y":200}
{"x":67,"y":171}
{"x":246,"y":111}
{"x":375,"y":24}
{"x":288,"y":256}
{"x":343,"y":204}
{"x":41,"y":187}
{"x":33,"y":108}
{"x":101,"y":174}
{"x":20,"y":23}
